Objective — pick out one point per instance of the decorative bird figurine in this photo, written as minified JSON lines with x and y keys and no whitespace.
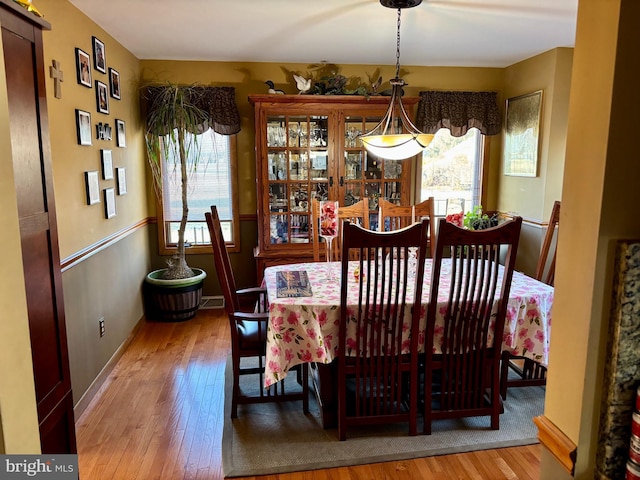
{"x":29,"y":6}
{"x":273,"y":89}
{"x":303,"y":84}
{"x":376,"y":85}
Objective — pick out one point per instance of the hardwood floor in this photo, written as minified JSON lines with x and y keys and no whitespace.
{"x":159,"y":415}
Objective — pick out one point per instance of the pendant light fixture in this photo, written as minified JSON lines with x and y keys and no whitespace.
{"x":396,"y":137}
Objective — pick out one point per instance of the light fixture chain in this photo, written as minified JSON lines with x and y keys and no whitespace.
{"x":398,"y":46}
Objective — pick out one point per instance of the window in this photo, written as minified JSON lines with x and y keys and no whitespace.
{"x":451,"y":171}
{"x":212,"y":182}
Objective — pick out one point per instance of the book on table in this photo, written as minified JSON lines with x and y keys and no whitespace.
{"x":293,"y":283}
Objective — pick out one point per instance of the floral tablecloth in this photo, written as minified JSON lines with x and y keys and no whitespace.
{"x":305,"y":329}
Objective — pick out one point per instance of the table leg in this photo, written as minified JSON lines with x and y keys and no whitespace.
{"x":324,"y":378}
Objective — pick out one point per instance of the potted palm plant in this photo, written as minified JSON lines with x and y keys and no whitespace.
{"x":174,"y":115}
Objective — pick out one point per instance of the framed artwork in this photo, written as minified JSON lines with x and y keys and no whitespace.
{"x":109,"y":202}
{"x":83,"y":68}
{"x":121,"y":176}
{"x":103,"y":131}
{"x":83,"y":127}
{"x":107,"y":164}
{"x":121,"y":138}
{"x":114,"y":83}
{"x":522,"y":135}
{"x":99,"y":56}
{"x":92,"y":187}
{"x":102,"y":97}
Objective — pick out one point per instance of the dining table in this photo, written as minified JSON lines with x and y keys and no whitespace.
{"x":303,"y":319}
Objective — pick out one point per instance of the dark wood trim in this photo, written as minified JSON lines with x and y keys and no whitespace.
{"x":85,"y":253}
{"x":29,"y":16}
{"x":248,"y":217}
{"x":554,"y":440}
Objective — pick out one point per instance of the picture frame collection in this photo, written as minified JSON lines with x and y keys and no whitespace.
{"x":106,"y":89}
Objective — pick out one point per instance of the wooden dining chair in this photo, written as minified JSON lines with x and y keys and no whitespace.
{"x":248,"y":330}
{"x":467,"y":308}
{"x":392,"y":216}
{"x":546,"y":268}
{"x":427,"y":209}
{"x":528,"y":371}
{"x":357,"y":213}
{"x":378,"y":329}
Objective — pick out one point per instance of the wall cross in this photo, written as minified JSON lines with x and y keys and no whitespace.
{"x":58,"y":78}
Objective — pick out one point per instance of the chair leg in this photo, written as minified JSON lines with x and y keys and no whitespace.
{"x":495,"y":420}
{"x":496,"y":403}
{"x":236,"y":388}
{"x":504,"y":374}
{"x":342,"y":412}
{"x":305,"y":388}
{"x":426,"y":426}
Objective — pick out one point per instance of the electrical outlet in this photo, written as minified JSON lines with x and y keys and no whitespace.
{"x":101,"y":325}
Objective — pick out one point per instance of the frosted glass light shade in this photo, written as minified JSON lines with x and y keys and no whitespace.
{"x":396,"y":146}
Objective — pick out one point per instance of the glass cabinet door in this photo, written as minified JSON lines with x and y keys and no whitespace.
{"x":297,"y":158}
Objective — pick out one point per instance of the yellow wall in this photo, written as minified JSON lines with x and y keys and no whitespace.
{"x":108,"y":282}
{"x":79,"y":224}
{"x":533,"y":197}
{"x":551,"y":73}
{"x":600,"y":198}
{"x":18,"y":415}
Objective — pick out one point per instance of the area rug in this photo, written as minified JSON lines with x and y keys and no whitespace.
{"x":278,"y":438}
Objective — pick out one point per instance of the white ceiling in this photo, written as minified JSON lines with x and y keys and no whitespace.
{"x":489,"y":33}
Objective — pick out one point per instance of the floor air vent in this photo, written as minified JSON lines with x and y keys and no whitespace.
{"x":212,"y":302}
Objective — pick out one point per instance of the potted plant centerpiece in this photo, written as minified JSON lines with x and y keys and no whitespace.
{"x":478,"y":220}
{"x":174,"y":115}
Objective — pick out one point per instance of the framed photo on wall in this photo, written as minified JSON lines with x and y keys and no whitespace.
{"x":121,"y":179}
{"x":92,"y":187}
{"x":83,"y":127}
{"x":109,"y":202}
{"x":83,"y":68}
{"x":102,"y":97}
{"x":121,"y":136}
{"x":114,"y":83}
{"x":522,"y":135}
{"x":107,"y":164}
{"x":99,"y":56}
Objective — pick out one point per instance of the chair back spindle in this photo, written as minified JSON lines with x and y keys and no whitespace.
{"x":377,"y":352}
{"x":463,"y":378}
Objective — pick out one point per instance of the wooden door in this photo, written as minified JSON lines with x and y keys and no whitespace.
{"x":31,"y":156}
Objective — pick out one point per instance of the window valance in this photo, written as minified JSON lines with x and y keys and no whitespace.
{"x":219,"y":103}
{"x":459,"y":111}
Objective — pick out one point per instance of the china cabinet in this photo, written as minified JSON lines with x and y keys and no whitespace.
{"x":308,"y":146}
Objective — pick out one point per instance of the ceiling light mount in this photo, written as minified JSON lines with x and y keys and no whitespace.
{"x":400,"y":3}
{"x":396,"y":137}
